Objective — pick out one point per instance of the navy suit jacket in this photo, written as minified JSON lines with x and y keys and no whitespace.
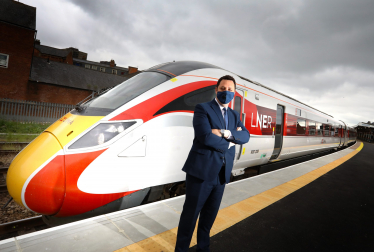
{"x":209,"y":150}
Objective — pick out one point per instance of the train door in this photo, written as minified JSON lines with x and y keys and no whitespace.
{"x":239,"y":107}
{"x":278,"y":132}
{"x":345,"y":135}
{"x":340,"y":135}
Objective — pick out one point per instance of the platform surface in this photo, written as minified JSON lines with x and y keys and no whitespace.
{"x":333,"y":213}
{"x":318,"y":205}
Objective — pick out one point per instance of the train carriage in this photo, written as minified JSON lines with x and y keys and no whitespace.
{"x":124,"y":147}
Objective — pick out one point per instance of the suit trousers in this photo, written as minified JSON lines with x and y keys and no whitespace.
{"x":202,"y":197}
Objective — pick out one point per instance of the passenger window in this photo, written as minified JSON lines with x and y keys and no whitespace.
{"x":332,"y":130}
{"x":319,"y":128}
{"x":300,"y":127}
{"x":238,"y":105}
{"x":188,"y":101}
{"x":200,"y":96}
{"x":326,"y":131}
{"x":312,"y":128}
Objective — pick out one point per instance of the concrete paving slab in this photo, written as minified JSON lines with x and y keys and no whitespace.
{"x":88,"y":235}
{"x":8,"y":245}
{"x":157,"y":218}
{"x":176,"y":203}
{"x":232,"y":196}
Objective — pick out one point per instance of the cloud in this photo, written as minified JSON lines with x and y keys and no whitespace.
{"x":316,"y":51}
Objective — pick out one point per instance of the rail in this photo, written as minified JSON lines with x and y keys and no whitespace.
{"x":17,"y":225}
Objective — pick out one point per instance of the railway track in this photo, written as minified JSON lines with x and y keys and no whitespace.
{"x":6,"y":147}
{"x":3,"y":188}
{"x":4,"y":169}
{"x":11,"y":229}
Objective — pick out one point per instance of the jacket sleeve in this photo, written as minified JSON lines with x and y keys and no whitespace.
{"x":203,"y":131}
{"x":240,"y":137}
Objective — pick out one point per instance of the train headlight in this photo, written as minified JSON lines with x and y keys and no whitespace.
{"x":102,"y":133}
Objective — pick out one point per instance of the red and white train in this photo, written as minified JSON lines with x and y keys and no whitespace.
{"x":125,"y":146}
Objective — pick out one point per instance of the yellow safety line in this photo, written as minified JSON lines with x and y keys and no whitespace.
{"x":237,"y":212}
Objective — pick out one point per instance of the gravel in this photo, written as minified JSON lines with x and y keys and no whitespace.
{"x":13,"y":211}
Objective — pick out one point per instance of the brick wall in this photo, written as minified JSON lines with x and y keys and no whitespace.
{"x":37,"y":91}
{"x":68,"y":59}
{"x":18,"y":43}
{"x":132,"y":69}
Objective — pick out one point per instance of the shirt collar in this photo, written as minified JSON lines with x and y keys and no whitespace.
{"x":220,"y":106}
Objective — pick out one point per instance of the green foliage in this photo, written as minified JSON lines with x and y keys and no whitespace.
{"x":18,"y":127}
{"x":10,"y":137}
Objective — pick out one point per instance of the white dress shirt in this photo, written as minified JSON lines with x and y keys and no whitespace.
{"x":223,"y":115}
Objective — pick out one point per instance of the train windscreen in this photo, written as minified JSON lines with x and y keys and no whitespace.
{"x":127,"y":91}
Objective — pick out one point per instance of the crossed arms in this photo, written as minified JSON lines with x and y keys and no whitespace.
{"x":212,"y":137}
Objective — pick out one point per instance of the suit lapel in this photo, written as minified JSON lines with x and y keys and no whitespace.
{"x":231,"y":118}
{"x":216,"y":109}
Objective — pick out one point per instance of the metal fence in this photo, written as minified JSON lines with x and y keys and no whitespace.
{"x":33,"y":112}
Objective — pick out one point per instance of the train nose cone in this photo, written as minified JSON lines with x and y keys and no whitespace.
{"x":36,"y":177}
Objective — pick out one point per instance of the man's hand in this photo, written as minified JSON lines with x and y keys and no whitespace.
{"x":217,"y":132}
{"x":239,"y":129}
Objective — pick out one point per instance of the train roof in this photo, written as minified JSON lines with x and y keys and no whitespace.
{"x":261,"y":85}
{"x":180,"y":67}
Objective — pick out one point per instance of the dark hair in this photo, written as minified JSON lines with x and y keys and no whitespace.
{"x":226,"y":77}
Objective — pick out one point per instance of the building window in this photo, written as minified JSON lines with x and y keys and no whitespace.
{"x":102,"y":69}
{"x":94,"y":67}
{"x":300,"y":126}
{"x":114,"y":71}
{"x":4,"y":59}
{"x":122,"y":73}
{"x":87,"y":66}
{"x":312,"y":128}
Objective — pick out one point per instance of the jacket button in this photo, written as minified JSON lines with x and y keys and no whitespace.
{"x":221,"y":157}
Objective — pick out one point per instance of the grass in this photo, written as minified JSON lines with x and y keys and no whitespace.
{"x":21,"y":128}
{"x":18,"y":132}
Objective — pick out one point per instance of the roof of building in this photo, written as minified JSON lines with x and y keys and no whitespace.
{"x":362,"y":124}
{"x":99,"y":64}
{"x":52,"y":51}
{"x":72,"y":76}
{"x":18,"y":13}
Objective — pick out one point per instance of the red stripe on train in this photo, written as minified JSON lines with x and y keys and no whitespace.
{"x":76,"y":201}
{"x":145,"y":110}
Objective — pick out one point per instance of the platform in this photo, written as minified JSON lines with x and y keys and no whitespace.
{"x":255,"y":214}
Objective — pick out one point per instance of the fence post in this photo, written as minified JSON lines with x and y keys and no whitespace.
{"x":2,"y":103}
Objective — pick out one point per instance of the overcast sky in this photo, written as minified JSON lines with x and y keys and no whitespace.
{"x":319,"y":52}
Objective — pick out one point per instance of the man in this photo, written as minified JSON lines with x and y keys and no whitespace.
{"x":209,"y":163}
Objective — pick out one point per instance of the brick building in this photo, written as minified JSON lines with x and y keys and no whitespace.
{"x":17,"y":29}
{"x":58,"y":82}
{"x":60,"y":55}
{"x":34,"y":72}
{"x":74,"y":56}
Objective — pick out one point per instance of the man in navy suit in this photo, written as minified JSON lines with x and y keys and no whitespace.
{"x":208,"y":166}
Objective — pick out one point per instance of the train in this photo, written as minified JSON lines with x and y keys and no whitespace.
{"x":126,"y":147}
